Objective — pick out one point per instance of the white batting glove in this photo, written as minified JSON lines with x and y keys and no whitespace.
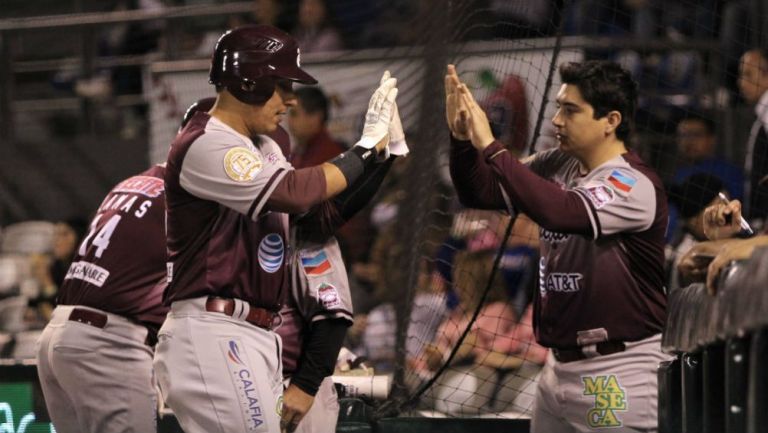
{"x":379,"y":115}
{"x":397,"y":145}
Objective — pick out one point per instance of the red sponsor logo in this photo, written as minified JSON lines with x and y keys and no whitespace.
{"x":145,"y":185}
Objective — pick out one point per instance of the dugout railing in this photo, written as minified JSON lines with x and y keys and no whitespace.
{"x":717,"y":380}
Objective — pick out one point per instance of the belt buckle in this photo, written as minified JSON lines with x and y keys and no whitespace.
{"x":276,"y":317}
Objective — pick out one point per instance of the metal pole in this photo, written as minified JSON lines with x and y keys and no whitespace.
{"x":7,"y":78}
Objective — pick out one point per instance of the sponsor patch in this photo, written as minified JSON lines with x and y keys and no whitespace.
{"x":328,"y":296}
{"x":251,"y":405}
{"x":271,"y":252}
{"x":600,"y":195}
{"x":621,"y":181}
{"x":241,"y":164}
{"x":87,"y":272}
{"x":272,"y":158}
{"x":316,"y":263}
{"x":609,"y":398}
{"x":147,"y":186}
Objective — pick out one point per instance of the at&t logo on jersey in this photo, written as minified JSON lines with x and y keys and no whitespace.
{"x":609,"y":398}
{"x":245,"y":384}
{"x":271,"y":251}
{"x":564,"y":282}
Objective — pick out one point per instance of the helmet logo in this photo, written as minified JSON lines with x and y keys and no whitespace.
{"x":298,"y":57}
{"x":268,"y":45}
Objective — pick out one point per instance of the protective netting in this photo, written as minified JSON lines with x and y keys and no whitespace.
{"x":443,"y":294}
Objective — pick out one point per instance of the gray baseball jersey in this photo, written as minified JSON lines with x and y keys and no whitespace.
{"x":620,"y":267}
{"x":219,"y":240}
{"x":319,"y":290}
{"x":601,"y":277}
{"x":222,"y":242}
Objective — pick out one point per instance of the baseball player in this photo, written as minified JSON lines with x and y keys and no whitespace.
{"x":321,"y":300}
{"x":601,"y":302}
{"x":95,"y":356}
{"x":229,"y":194}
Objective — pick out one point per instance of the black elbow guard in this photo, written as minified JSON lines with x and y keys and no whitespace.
{"x":352,"y":163}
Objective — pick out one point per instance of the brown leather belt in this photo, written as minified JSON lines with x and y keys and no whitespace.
{"x":257,"y":316}
{"x":603,"y":348}
{"x":89,"y":317}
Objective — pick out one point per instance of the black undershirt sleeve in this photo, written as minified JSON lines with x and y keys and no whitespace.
{"x":323,"y":220}
{"x":321,"y":349}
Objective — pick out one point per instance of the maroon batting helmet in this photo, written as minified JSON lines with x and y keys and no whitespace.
{"x":250,"y":60}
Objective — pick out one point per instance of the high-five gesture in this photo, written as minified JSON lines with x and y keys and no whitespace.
{"x":457,"y":121}
{"x":465,"y":117}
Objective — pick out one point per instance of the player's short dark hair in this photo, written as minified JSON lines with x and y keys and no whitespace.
{"x":607,"y":87}
{"x":707,"y":121}
{"x":313,"y":100}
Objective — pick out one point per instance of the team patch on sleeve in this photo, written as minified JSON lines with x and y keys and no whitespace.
{"x":241,"y":164}
{"x":621,"y":181}
{"x":600,"y":195}
{"x":328,"y":296}
{"x":315,"y":263}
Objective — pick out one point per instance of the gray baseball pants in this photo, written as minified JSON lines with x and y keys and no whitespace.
{"x":97,"y":380}
{"x":616,"y":392}
{"x":219,"y":374}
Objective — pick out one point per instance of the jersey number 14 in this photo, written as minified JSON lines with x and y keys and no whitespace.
{"x":100,"y":240}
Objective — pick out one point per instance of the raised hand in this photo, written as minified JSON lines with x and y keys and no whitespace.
{"x":479,"y":128}
{"x":457,"y":121}
{"x":379,"y":116}
{"x":397,"y":143}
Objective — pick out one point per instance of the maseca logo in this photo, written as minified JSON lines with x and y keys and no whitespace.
{"x":245,"y":384}
{"x":609,"y":398}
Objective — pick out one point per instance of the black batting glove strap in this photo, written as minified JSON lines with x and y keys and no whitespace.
{"x":352,"y":163}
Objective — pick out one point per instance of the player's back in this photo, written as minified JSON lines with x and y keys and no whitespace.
{"x":121,"y":261}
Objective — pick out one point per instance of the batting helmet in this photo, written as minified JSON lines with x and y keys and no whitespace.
{"x":250,"y":60}
{"x":204,"y":104}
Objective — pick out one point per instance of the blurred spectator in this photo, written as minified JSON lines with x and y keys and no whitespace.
{"x":753,"y":84}
{"x":50,"y":271}
{"x":691,"y":197}
{"x":522,"y":18}
{"x":315,"y":30}
{"x":696,"y":148}
{"x":308,"y":122}
{"x":274,"y":13}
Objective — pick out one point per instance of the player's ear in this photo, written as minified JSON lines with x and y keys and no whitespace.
{"x":613,"y":121}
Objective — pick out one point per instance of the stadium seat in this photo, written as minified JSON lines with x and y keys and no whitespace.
{"x":12,"y":314}
{"x":670,"y":408}
{"x":26,"y":344}
{"x":713,"y":387}
{"x":736,"y":379}
{"x":757,"y":395}
{"x":691,"y":393}
{"x":27,"y":237}
{"x":14,"y":269}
